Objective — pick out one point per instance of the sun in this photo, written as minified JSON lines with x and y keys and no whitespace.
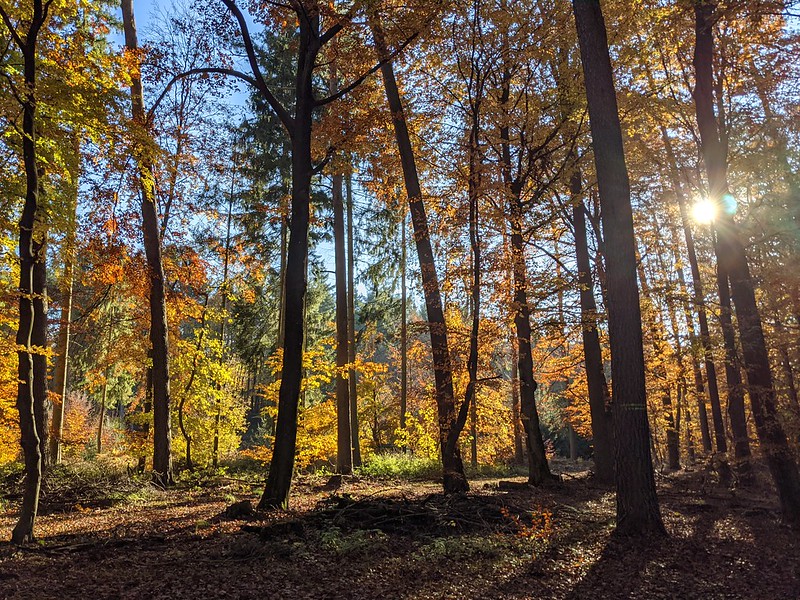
{"x":705,"y":211}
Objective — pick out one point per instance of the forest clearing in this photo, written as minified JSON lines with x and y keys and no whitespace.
{"x":371,"y":538}
{"x":420,"y":299}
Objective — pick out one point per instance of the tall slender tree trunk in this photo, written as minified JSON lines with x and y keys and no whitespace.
{"x":732,"y":258}
{"x":344,"y":454}
{"x":403,"y":323}
{"x":223,"y":323}
{"x":658,"y":335}
{"x":538,"y":469}
{"x":102,"y":419}
{"x":159,"y":338}
{"x":474,"y":190}
{"x":65,"y":320}
{"x":637,"y":504}
{"x":454,"y":479}
{"x":699,"y":302}
{"x":599,"y":397}
{"x":351,"y":324}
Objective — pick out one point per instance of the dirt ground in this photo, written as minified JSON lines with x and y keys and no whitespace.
{"x":368,"y":539}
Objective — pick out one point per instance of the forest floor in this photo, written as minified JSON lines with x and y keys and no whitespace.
{"x":361,"y":538}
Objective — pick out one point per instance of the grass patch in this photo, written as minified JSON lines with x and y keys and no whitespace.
{"x":400,"y":466}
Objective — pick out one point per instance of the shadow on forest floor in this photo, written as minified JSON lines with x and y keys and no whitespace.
{"x":379,"y":539}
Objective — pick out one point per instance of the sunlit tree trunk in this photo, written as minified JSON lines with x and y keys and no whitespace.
{"x":344,"y":454}
{"x":65,"y":321}
{"x":732,"y":258}
{"x":403,"y":324}
{"x":31,"y":334}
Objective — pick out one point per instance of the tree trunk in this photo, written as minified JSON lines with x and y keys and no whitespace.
{"x":31,"y":334}
{"x":351,"y":325}
{"x":733,"y":376}
{"x":279,"y":480}
{"x":344,"y":454}
{"x":599,"y":397}
{"x":658,"y":335}
{"x":403,"y":324}
{"x":101,"y":421}
{"x":637,"y":504}
{"x":538,"y":469}
{"x":519,"y":453}
{"x":159,"y":338}
{"x":700,"y":307}
{"x":474,"y":188}
{"x":65,"y":323}
{"x":732,"y":259}
{"x":454,"y":479}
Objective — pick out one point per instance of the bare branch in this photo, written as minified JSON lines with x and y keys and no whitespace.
{"x":198,"y":71}
{"x":258,"y":78}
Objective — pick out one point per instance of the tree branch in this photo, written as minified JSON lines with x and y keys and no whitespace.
{"x":354,"y":84}
{"x":198,"y":71}
{"x":11,"y":29}
{"x":260,"y":83}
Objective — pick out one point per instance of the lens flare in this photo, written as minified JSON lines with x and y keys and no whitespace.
{"x":705,"y":211}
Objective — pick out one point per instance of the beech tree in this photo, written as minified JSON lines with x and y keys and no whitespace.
{"x":637,"y":504}
{"x":32,"y":330}
{"x":734,"y":271}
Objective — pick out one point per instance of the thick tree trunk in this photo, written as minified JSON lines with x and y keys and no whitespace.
{"x":599,"y":397}
{"x":637,"y":504}
{"x":732,"y":259}
{"x":352,"y":380}
{"x":344,"y":454}
{"x":454,"y":479}
{"x":159,"y":338}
